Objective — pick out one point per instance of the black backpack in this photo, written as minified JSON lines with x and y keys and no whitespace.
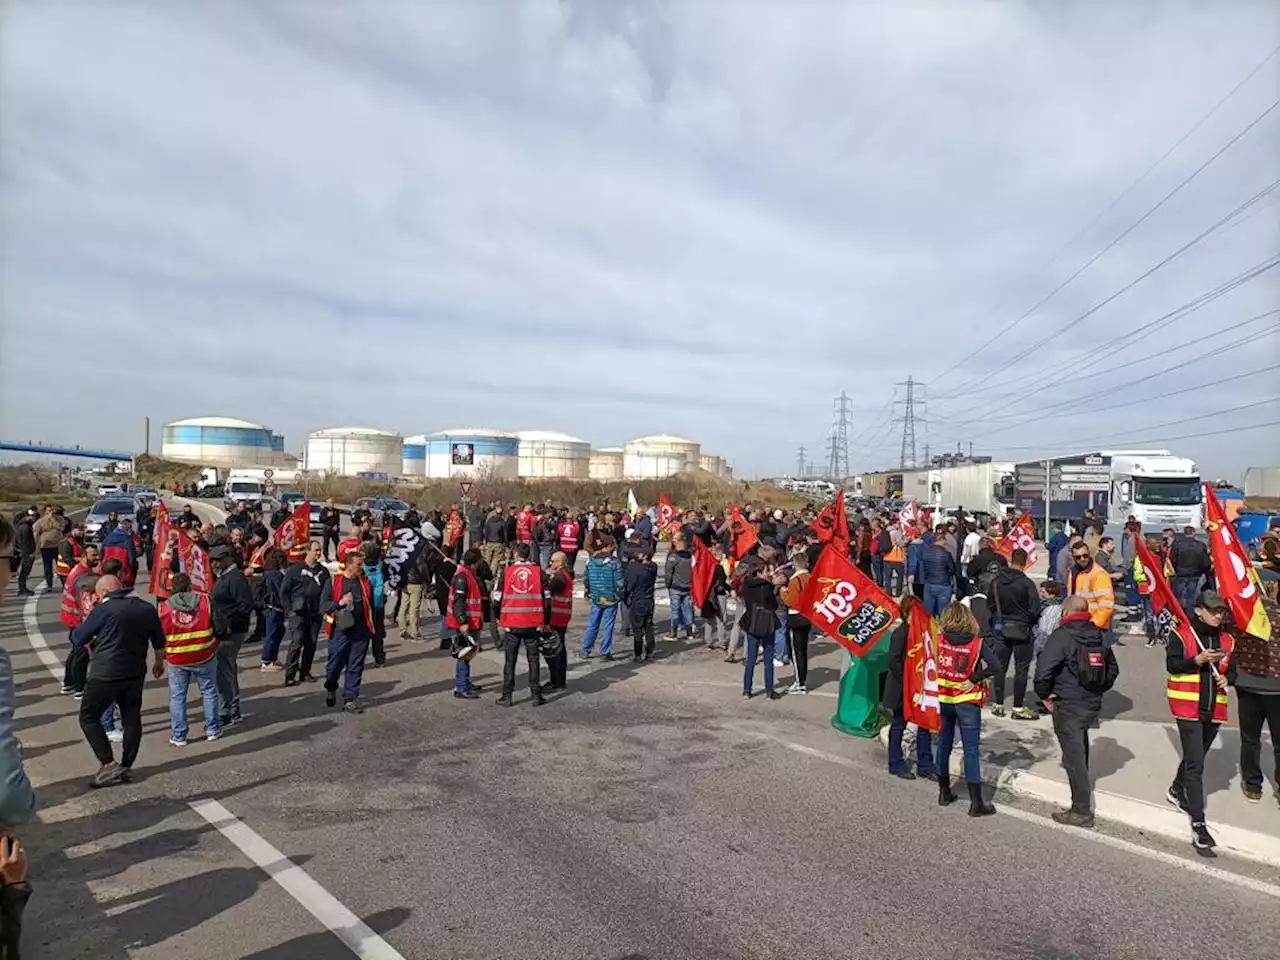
{"x":1091,"y":666}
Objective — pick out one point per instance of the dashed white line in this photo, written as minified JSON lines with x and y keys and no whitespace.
{"x":35,"y":636}
{"x":321,"y":904}
{"x":1116,"y":843}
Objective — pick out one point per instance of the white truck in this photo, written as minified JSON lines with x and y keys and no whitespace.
{"x":980,"y":488}
{"x":246,"y":487}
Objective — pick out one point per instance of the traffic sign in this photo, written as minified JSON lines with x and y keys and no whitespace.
{"x":268,"y":473}
{"x":466,"y":487}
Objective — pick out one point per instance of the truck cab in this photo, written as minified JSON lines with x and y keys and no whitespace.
{"x":1156,"y":490}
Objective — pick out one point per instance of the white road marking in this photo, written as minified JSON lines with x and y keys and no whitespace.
{"x":35,"y":636}
{"x":1116,"y":843}
{"x":321,"y":904}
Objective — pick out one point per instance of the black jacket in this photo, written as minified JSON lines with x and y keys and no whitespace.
{"x":495,"y":528}
{"x":329,"y":517}
{"x":302,"y":588}
{"x":26,"y":540}
{"x":1016,"y":603}
{"x":1056,"y":666}
{"x":638,"y":584}
{"x":678,"y":572}
{"x":891,"y":699}
{"x":121,"y":628}
{"x":231,"y":603}
{"x":982,"y":563}
{"x":1189,"y":557}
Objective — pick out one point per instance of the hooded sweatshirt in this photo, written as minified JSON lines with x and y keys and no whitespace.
{"x":187,"y":603}
{"x":1056,"y":668}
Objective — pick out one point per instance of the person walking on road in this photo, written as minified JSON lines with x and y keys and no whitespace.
{"x":463,"y":621}
{"x":760,"y":621}
{"x":1189,"y":559}
{"x":560,"y":583}
{"x":348,"y":623}
{"x":232,"y":604}
{"x":1254,"y":670}
{"x":409,"y":616}
{"x":677,"y":578}
{"x":301,"y":589}
{"x":601,"y":581}
{"x":375,"y":572}
{"x":25,"y":545}
{"x":329,"y":519}
{"x":1197,"y":692}
{"x":48,"y":533}
{"x":120,"y":628}
{"x":938,"y":574}
{"x":637,"y":595}
{"x":798,"y":625}
{"x":892,"y":701}
{"x":965,"y":660}
{"x":1014,"y":604}
{"x":272,"y":609}
{"x":190,"y":652}
{"x":1073,"y":672}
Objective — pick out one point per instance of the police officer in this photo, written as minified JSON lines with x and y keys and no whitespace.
{"x":305,"y":582}
{"x":524,"y":613}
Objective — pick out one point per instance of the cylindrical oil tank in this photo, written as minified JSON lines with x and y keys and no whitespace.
{"x":606,"y":464}
{"x":415,"y":456}
{"x":547,"y":454}
{"x":472,"y":451}
{"x":712,"y":464}
{"x":352,"y":451}
{"x":659,"y":455}
{"x":222,"y":442}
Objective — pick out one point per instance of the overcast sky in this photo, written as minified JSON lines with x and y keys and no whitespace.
{"x":614,"y":219}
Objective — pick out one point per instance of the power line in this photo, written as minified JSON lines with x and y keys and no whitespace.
{"x":908,"y":421}
{"x":1275,"y":184}
{"x":1183,"y":436}
{"x":1125,"y":192}
{"x":840,"y":436}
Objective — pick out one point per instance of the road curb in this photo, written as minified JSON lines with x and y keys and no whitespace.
{"x":1149,"y":818}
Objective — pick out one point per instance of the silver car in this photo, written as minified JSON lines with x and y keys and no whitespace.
{"x":121,"y":506}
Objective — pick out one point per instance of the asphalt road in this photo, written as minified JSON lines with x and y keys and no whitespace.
{"x":646,"y":814}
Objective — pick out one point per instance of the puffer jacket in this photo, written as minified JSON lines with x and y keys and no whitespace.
{"x":48,"y":531}
{"x":602,"y":580}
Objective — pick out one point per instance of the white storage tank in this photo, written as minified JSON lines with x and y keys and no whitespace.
{"x":472,"y":451}
{"x":415,"y":456}
{"x":352,"y":451}
{"x":545,"y":453}
{"x":222,"y":442}
{"x":659,"y":455}
{"x":712,"y":464}
{"x":606,"y":464}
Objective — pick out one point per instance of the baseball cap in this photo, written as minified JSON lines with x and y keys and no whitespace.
{"x":1210,"y":600}
{"x":219,"y":551}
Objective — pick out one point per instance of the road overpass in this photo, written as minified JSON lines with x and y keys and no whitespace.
{"x":51,"y":450}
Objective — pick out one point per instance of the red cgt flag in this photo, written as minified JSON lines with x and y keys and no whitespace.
{"x":832,"y":525}
{"x":194,"y":562}
{"x":1237,"y":580}
{"x":920,"y":704}
{"x":292,"y":536}
{"x":1171,"y":623}
{"x":703,"y":573}
{"x":666,"y":511}
{"x":742,"y":536}
{"x":160,"y":552}
{"x":1021,"y":535}
{"x":842,"y":602}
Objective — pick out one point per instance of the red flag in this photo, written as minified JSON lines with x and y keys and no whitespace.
{"x":908,"y":516}
{"x":742,"y":536}
{"x":1237,"y":580}
{"x":1022,"y":536}
{"x":1171,"y":623}
{"x":842,"y":602}
{"x":920,"y":703}
{"x":666,"y":511}
{"x":160,"y":547}
{"x":704,"y":571}
{"x":832,"y":525}
{"x":194,"y":562}
{"x":292,"y":536}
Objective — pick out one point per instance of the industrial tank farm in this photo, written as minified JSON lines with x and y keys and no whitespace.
{"x":605,"y":465}
{"x":659,"y":455}
{"x":222,"y":442}
{"x":472,"y":451}
{"x":415,"y":456}
{"x":545,"y":454}
{"x":355,"y":451}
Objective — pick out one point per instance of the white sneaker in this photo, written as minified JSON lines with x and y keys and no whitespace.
{"x":802,"y":689}
{"x":175,"y":742}
{"x":779,"y":663}
{"x":115,"y":736}
{"x":795,"y":687}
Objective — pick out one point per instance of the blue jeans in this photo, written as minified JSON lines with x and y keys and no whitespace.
{"x":109,"y":718}
{"x":544,"y":554}
{"x":1185,"y":590}
{"x":599,"y":620}
{"x":780,"y":644}
{"x":461,"y":675}
{"x":681,"y":609}
{"x":206,"y":677}
{"x":275,"y":633}
{"x":936,"y":598}
{"x":877,"y":568}
{"x":924,"y":746}
{"x":347,"y":650}
{"x":749,"y":672}
{"x":969,"y":717}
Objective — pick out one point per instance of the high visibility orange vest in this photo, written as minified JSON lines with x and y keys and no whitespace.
{"x":562,"y":603}
{"x":895,"y":555}
{"x":956,"y":663}
{"x":522,"y":597}
{"x":1096,"y":587}
{"x":70,"y":614}
{"x":339,"y":582}
{"x":188,"y":634}
{"x":475,"y":608}
{"x":1183,"y":692}
{"x":77,"y":550}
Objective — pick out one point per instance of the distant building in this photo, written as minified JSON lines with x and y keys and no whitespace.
{"x":659,"y":455}
{"x":354,"y":451}
{"x":222,"y":442}
{"x":545,"y":454}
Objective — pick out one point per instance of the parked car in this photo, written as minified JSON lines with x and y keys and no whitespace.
{"x":145,"y":493}
{"x":291,"y":498}
{"x":121,"y":506}
{"x":316,"y":529}
{"x":377,"y":506}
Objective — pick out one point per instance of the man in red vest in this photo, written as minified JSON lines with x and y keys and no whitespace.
{"x":525,"y":613}
{"x":463,"y":620}
{"x":348,"y":623}
{"x":560,"y":585}
{"x":82,"y":577}
{"x":524,"y":526}
{"x":568,"y":530}
{"x":189,"y":653}
{"x":69,"y":551}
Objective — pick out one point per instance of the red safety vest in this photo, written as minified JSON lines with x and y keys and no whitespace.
{"x":346,"y":546}
{"x":956,"y":664}
{"x":338,"y":582}
{"x":475,"y":608}
{"x":257,"y":560}
{"x":562,"y":603}
{"x":77,"y":550}
{"x":1183,"y":691}
{"x":568,"y":536}
{"x":524,"y":526}
{"x":188,"y":635}
{"x":117,"y":552}
{"x":70,"y":614}
{"x":522,"y":597}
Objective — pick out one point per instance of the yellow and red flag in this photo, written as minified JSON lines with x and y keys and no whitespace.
{"x":1237,"y":580}
{"x":666,"y":511}
{"x":1171,"y":623}
{"x":292,"y":536}
{"x":920,"y":704}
